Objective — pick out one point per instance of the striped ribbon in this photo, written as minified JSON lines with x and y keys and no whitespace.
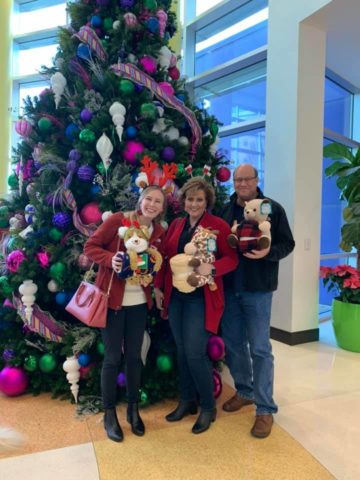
{"x":87,"y":35}
{"x":133,"y":73}
{"x":70,"y":202}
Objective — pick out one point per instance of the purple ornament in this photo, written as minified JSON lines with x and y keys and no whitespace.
{"x":215,"y":348}
{"x":86,"y":115}
{"x":168,"y":154}
{"x":126,"y":3}
{"x":86,"y":173}
{"x":13,"y":381}
{"x":61,"y":220}
{"x":102,"y":3}
{"x":74,"y":155}
{"x":8,"y":354}
{"x":121,"y":379}
{"x":49,"y":198}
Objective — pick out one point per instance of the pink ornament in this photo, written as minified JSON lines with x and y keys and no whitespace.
{"x":23,"y":128}
{"x":132,"y":151}
{"x":217,"y":383}
{"x":13,"y":381}
{"x":149,"y":64}
{"x":167,"y":88}
{"x":43,"y":259}
{"x":162,"y":17}
{"x":223,"y":174}
{"x":174,"y":73}
{"x":130,"y":20}
{"x":7,"y":303}
{"x":90,"y":213}
{"x":84,"y":262}
{"x":215,"y":348}
{"x":85,"y":371}
{"x":14,"y":259}
{"x":173,"y":60}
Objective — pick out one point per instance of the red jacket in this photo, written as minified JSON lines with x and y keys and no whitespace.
{"x":102,"y":246}
{"x":226,"y":261}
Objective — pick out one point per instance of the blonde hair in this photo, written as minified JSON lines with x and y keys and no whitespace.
{"x":133,"y":215}
{"x":198,"y":183}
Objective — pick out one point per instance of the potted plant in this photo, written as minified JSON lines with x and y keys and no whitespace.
{"x":345,"y":280}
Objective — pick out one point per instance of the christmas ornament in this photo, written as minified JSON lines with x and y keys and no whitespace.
{"x":215,"y":348}
{"x":72,"y":132}
{"x":130,"y":20}
{"x":55,"y":234}
{"x":84,"y":359}
{"x":100,"y":347}
{"x":87,"y":136}
{"x":118,"y":111}
{"x":152,"y":24}
{"x":71,"y":367}
{"x":74,"y":155}
{"x":168,"y":154}
{"x":86,"y":173}
{"x":44,"y":125}
{"x":131,"y":132}
{"x":84,"y":262}
{"x":90,"y":213}
{"x":116,"y":24}
{"x":171,"y":133}
{"x":167,"y":88}
{"x":174,"y":73}
{"x":144,"y":398}
{"x":8,"y":354}
{"x":57,"y":271}
{"x":108,"y":24}
{"x":121,"y":379}
{"x":223,"y":174}
{"x":14,"y":260}
{"x":132,"y":151}
{"x":183,"y":141}
{"x":164,"y":363}
{"x":13,"y":181}
{"x":23,"y":128}
{"x":126,"y":3}
{"x":86,"y":115}
{"x":150,"y":4}
{"x":95,"y":21}
{"x":61,"y":220}
{"x":217,"y":383}
{"x":83,"y":51}
{"x":61,"y":298}
{"x":148,"y":110}
{"x":52,"y":286}
{"x":149,"y":64}
{"x":5,"y":287}
{"x":126,"y":87}
{"x":43,"y":258}
{"x":30,"y":214}
{"x":47,"y":363}
{"x":162,"y":17}
{"x":30,"y":363}
{"x":104,"y":147}
{"x":102,"y":3}
{"x":13,"y":381}
{"x":27,"y":291}
{"x":58,"y":84}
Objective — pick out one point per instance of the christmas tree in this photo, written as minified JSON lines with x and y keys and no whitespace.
{"x":115,"y":108}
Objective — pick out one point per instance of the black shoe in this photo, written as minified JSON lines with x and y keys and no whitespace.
{"x":184,"y":408}
{"x":204,"y":421}
{"x":133,"y":417}
{"x":112,"y":426}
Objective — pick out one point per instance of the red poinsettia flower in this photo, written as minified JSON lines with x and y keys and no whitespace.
{"x":344,"y":280}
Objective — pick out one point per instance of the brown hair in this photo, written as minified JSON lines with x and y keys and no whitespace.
{"x":198,"y":183}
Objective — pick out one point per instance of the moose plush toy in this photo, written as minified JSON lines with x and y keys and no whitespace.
{"x":199,"y":250}
{"x":140,"y":262}
{"x":253,"y":233}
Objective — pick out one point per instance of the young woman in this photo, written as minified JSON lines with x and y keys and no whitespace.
{"x":128,"y":306}
{"x":193,"y":316}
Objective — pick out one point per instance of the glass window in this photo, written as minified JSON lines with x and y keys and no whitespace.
{"x":237,"y":97}
{"x":26,"y":21}
{"x":338,"y":108}
{"x":31,"y":56}
{"x":239,"y":32}
{"x":203,"y":5}
{"x":30,"y":89}
{"x":244,"y":147}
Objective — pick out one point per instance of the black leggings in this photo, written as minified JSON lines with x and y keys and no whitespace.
{"x":123,"y":326}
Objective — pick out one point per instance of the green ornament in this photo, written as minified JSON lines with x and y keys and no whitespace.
{"x":87,"y":136}
{"x":44,"y":125}
{"x":164,"y":363}
{"x":55,"y":234}
{"x":5,"y":288}
{"x":4,"y":223}
{"x":4,"y":212}
{"x":148,"y":110}
{"x":126,"y":87}
{"x":13,"y":181}
{"x":15,"y":243}
{"x":181,"y":169}
{"x":100,"y":347}
{"x":144,"y":397}
{"x":214,"y":129}
{"x":100,"y":168}
{"x":31,"y":363}
{"x":47,"y":363}
{"x":150,"y":4}
{"x":57,"y":270}
{"x":108,"y":24}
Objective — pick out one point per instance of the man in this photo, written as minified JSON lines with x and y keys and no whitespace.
{"x":248,"y":298}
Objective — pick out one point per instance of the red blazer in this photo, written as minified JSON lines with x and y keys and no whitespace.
{"x":226,"y":261}
{"x":100,"y":248}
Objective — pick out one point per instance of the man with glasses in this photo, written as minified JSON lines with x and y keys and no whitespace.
{"x":248,"y":297}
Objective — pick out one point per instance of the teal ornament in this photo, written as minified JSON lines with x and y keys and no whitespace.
{"x":30,"y":363}
{"x":100,"y":168}
{"x":44,"y":125}
{"x":100,"y":347}
{"x":47,"y":363}
{"x":5,"y":288}
{"x":57,"y":270}
{"x":126,"y":87}
{"x":55,"y":234}
{"x":164,"y":363}
{"x":87,"y":136}
{"x":13,"y":181}
{"x":148,"y":110}
{"x":150,"y":4}
{"x":108,"y":24}
{"x":4,"y":216}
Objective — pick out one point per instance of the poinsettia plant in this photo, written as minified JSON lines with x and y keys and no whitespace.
{"x":344,"y":280}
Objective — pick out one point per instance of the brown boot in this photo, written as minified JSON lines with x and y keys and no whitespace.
{"x":262,"y":426}
{"x":235,"y":403}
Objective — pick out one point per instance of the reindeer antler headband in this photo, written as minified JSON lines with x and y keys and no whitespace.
{"x":146,"y":176}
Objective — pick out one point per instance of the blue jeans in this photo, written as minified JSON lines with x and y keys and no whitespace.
{"x":187,"y":323}
{"x":246,"y":333}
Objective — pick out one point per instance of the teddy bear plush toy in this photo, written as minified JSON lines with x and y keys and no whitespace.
{"x":199,"y":250}
{"x":253,"y":233}
{"x":140,"y":262}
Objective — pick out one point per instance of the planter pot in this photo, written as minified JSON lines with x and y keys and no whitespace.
{"x":346,"y":323}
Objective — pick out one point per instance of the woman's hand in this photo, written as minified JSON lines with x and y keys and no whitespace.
{"x":205,"y":268}
{"x":159,"y":298}
{"x":116,"y":262}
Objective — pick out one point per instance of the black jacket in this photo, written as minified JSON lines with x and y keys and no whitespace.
{"x":261,"y":275}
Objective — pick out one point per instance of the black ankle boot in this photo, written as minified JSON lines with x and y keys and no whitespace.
{"x":133,"y":417}
{"x":112,"y":426}
{"x":184,"y":408}
{"x":204,"y":420}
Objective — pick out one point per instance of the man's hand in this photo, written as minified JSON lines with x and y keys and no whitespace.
{"x":159,"y":298}
{"x":257,"y":254}
{"x":205,"y":268}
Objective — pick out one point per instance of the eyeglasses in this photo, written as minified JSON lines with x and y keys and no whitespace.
{"x":243,"y":179}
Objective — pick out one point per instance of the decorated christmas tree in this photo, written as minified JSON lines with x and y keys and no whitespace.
{"x":115,"y":112}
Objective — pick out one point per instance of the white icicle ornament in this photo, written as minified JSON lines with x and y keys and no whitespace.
{"x":27,"y":290}
{"x":72,"y":367}
{"x":58,"y":84}
{"x":104,"y":147}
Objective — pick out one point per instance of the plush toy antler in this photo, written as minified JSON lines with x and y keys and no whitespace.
{"x":148,"y":168}
{"x":169,"y":172}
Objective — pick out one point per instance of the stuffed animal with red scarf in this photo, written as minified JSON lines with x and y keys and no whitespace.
{"x":140,"y":262}
{"x":253,"y":233}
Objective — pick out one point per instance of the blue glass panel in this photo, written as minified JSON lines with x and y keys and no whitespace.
{"x":203,"y":5}
{"x":245,"y":147}
{"x":337,"y":108}
{"x":39,"y":19}
{"x":240,"y":32}
{"x":237,"y":97}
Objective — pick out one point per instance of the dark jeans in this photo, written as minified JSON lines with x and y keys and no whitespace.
{"x":187,"y":322}
{"x":123,"y":326}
